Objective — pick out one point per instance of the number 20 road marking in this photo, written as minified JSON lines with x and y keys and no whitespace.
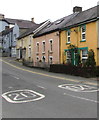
{"x":21,"y":96}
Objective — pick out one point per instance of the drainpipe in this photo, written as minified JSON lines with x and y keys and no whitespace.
{"x":98,"y":32}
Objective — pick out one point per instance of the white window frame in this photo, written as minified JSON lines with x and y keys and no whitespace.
{"x":37,"y":57}
{"x":67,"y":58}
{"x":44,"y":57}
{"x":50,"y":58}
{"x":30,"y":39}
{"x":68,"y":36}
{"x":37,"y":49}
{"x":84,"y":58}
{"x":43,"y":49}
{"x":50,"y":44}
{"x":83,"y":33}
{"x":29,"y":52}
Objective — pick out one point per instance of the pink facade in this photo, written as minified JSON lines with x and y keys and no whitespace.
{"x":46,"y":48}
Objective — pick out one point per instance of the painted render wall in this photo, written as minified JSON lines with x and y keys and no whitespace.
{"x":55,"y":53}
{"x":91,"y":39}
{"x":2,"y":25}
{"x":25,"y":43}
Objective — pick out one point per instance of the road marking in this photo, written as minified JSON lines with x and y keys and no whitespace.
{"x":79,"y":88}
{"x":81,"y":98}
{"x":22,"y":96}
{"x":41,"y":87}
{"x":10,"y":87}
{"x":16,"y":77}
{"x":62,"y":78}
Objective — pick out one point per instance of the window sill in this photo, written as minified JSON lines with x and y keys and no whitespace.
{"x":83,"y":41}
{"x":43,"y":52}
{"x":68,"y":43}
{"x":50,"y":52}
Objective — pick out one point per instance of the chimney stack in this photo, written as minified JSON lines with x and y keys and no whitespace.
{"x":32,"y":19}
{"x":7,"y":27}
{"x":77,"y":9}
{"x":1,"y":16}
{"x":98,"y":9}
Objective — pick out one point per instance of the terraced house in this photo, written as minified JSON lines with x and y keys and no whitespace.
{"x":10,"y":30}
{"x":25,"y":42}
{"x":83,"y":33}
{"x":51,"y":44}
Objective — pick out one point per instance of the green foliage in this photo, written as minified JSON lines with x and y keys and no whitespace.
{"x":91,"y":60}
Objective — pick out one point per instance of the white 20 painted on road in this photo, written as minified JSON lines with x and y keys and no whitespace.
{"x":22,"y":96}
{"x":79,"y":87}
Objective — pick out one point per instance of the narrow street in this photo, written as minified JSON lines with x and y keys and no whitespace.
{"x":34,"y":93}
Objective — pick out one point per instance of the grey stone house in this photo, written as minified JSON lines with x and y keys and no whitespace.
{"x":12,"y":28}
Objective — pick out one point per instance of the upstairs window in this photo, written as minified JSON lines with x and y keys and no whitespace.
{"x":37,"y":47}
{"x":30,"y":40}
{"x":83,"y":33}
{"x":29,"y":52}
{"x":51,"y":45}
{"x":43,"y":46}
{"x":68,"y":36}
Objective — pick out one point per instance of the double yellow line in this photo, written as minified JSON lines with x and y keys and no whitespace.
{"x":46,"y":75}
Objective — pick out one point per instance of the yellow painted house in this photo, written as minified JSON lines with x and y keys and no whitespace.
{"x":25,"y":43}
{"x":83,"y":33}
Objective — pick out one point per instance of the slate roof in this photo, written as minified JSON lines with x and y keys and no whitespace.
{"x":70,"y":21}
{"x":29,"y":31}
{"x":4,"y":32}
{"x":20,"y":23}
{"x":84,"y":16}
{"x":56,"y":25}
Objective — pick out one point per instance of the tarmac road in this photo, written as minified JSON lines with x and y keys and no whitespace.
{"x":33,"y":93}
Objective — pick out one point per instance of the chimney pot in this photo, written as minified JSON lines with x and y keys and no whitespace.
{"x":1,"y":16}
{"x":77,"y":9}
{"x":32,"y":19}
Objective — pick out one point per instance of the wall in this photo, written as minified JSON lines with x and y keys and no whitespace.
{"x":55,"y":53}
{"x":2,"y":25}
{"x":91,"y":39}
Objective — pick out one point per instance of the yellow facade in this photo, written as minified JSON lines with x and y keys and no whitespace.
{"x":75,"y":39}
{"x":26,"y":44}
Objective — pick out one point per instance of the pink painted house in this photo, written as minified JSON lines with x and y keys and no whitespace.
{"x":46,"y":49}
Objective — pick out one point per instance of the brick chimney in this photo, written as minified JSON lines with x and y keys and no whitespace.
{"x":77,"y":9}
{"x":1,"y":16}
{"x":32,"y":19}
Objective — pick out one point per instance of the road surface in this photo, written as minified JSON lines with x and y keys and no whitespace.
{"x":34,"y":93}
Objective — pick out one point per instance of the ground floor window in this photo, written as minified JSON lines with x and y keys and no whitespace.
{"x":50,"y":59}
{"x":13,"y":51}
{"x":68,"y":57}
{"x":84,"y":55}
{"x":43,"y":59}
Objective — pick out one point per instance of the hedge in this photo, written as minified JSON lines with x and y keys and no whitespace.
{"x":75,"y":70}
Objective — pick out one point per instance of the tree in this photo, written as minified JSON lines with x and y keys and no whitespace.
{"x":91,"y":60}
{"x":74,"y":49}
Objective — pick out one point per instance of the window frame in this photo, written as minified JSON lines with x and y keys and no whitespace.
{"x":83,"y":33}
{"x":68,"y":37}
{"x":43,"y":47}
